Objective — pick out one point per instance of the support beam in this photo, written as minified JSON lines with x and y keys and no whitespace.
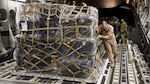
{"x":148,"y":18}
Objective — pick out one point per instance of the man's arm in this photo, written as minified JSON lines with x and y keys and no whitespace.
{"x":98,"y":29}
{"x":109,"y":34}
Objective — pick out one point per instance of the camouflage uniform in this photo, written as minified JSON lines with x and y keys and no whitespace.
{"x":123,"y":31}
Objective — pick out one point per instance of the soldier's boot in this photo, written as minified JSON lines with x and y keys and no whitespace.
{"x":112,"y":65}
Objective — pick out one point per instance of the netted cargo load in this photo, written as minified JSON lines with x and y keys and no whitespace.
{"x":57,"y":37}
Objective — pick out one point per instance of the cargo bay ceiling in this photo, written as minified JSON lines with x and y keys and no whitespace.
{"x":101,"y":3}
{"x":95,"y":3}
{"x":107,"y":8}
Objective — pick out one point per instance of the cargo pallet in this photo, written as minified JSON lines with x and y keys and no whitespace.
{"x":9,"y":75}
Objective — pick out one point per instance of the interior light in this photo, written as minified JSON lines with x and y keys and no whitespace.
{"x":21,"y":0}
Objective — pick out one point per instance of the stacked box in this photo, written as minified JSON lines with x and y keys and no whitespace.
{"x":57,"y":37}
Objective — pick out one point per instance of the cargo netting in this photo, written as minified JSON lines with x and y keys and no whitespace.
{"x":57,"y":38}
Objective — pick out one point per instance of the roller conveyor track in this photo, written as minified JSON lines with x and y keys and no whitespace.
{"x":130,"y":68}
{"x":123,"y":66}
{"x":124,"y":70}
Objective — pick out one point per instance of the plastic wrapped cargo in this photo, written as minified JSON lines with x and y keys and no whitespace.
{"x":57,"y":37}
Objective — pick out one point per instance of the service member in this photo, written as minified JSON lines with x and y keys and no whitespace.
{"x":123,"y":31}
{"x":106,"y":33}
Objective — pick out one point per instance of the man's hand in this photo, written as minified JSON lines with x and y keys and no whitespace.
{"x":100,"y":36}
